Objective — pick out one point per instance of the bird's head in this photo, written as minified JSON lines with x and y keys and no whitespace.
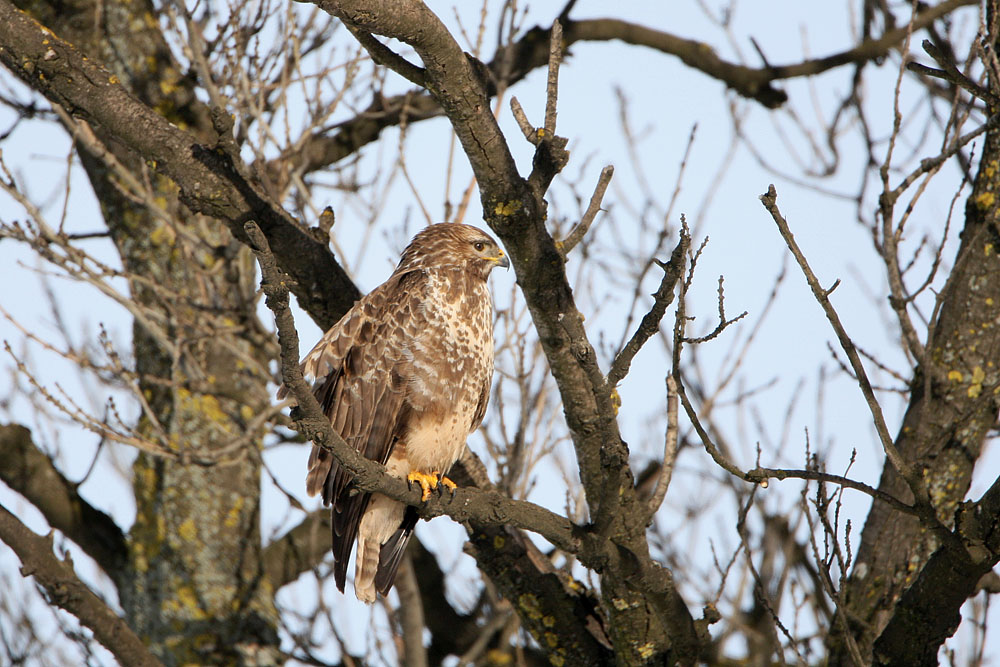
{"x":453,"y":245}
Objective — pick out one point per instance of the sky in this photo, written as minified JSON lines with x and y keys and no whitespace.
{"x":719,"y":187}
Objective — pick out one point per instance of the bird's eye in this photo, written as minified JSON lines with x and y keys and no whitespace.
{"x":479,"y":245}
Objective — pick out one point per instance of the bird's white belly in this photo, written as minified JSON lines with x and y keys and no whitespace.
{"x":433,"y":445}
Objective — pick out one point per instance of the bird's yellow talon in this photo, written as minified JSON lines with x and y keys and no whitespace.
{"x":447,"y":483}
{"x":426,"y":482}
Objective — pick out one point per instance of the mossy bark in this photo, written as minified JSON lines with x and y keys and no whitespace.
{"x":192,"y":587}
{"x":953,"y":407}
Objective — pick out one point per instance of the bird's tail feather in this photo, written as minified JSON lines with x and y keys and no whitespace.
{"x":392,"y":552}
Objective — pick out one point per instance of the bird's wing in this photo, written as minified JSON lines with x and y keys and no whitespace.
{"x":360,"y":366}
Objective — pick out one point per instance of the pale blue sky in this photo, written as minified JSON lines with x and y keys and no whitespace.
{"x":719,"y":195}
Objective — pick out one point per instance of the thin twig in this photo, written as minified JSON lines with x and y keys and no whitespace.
{"x":552,"y":84}
{"x":949,"y":72}
{"x":912,"y":477}
{"x":385,"y":56}
{"x":761,"y":475}
{"x":67,"y":591}
{"x":723,"y":322}
{"x":522,"y":121}
{"x":650,"y":322}
{"x":669,"y":453}
{"x":581,"y":228}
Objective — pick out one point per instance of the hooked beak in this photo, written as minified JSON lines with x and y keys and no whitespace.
{"x":502,"y":260}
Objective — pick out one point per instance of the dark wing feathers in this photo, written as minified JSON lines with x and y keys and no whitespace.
{"x":357,"y":371}
{"x":391,"y":553}
{"x":484,"y":399}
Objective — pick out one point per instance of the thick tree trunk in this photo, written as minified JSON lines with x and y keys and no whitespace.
{"x":953,"y":407}
{"x":192,"y":587}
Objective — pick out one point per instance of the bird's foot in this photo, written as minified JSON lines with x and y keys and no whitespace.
{"x":446,"y":483}
{"x":426,"y":482}
{"x":430,"y":482}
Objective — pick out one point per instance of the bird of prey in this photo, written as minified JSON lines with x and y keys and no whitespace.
{"x":404,"y":378}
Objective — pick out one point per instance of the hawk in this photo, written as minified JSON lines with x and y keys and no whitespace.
{"x":404,"y":378}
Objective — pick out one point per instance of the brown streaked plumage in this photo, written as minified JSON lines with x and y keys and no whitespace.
{"x":404,"y":377}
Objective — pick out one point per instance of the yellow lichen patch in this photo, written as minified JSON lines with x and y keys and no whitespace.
{"x":646,"y":651}
{"x":988,"y":249}
{"x":991,"y":169}
{"x":139,"y":561}
{"x":620,"y":604}
{"x":507,"y":208}
{"x":187,"y":530}
{"x":616,"y":400}
{"x":189,"y":601}
{"x":206,"y":404}
{"x":976,"y":388}
{"x":985,"y":200}
{"x":246,"y":412}
{"x":168,"y":87}
{"x":557,"y":660}
{"x":233,"y":516}
{"x":552,"y":639}
{"x":113,"y":79}
{"x":549,"y":621}
{"x":498,"y":542}
{"x":989,"y":301}
{"x":498,"y":657}
{"x":955,"y":376}
{"x":163,"y":235}
{"x":529,"y":605}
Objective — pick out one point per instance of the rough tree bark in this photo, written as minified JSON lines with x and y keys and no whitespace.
{"x":192,"y":576}
{"x":191,"y":585}
{"x":952,"y":410}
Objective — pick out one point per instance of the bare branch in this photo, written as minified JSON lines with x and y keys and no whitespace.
{"x":669,"y":452}
{"x":67,"y":591}
{"x":209,"y":183}
{"x":761,"y":475}
{"x":385,"y":56}
{"x":581,"y":228}
{"x":297,"y":551}
{"x":912,"y":477}
{"x":723,"y":321}
{"x":552,"y":82}
{"x":950,"y":73}
{"x":522,"y":121}
{"x":31,"y":473}
{"x":411,"y":615}
{"x":662,"y":298}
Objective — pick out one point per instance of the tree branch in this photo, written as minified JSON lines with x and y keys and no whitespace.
{"x":912,"y":477}
{"x":650,"y":323}
{"x":297,"y":551}
{"x":531,"y":52}
{"x":516,"y":210}
{"x":32,"y":474}
{"x":929,"y":611}
{"x":208,"y":181}
{"x":581,"y":228}
{"x":66,"y":590}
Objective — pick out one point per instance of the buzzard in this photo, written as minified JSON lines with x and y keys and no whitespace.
{"x":404,"y":377}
